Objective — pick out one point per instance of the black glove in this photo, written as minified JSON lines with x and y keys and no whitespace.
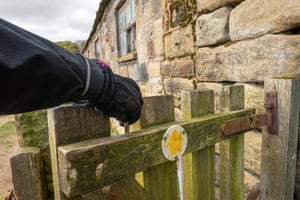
{"x":120,"y":97}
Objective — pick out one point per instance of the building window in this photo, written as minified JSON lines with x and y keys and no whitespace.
{"x":97,"y":48}
{"x":127,"y":28}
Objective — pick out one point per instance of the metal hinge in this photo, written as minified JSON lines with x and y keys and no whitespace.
{"x":269,"y":119}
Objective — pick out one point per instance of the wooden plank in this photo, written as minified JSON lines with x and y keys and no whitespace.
{"x":66,"y":125}
{"x":204,"y":174}
{"x":232,"y":151}
{"x":237,"y":167}
{"x":26,"y":174}
{"x":99,"y":162}
{"x":200,"y":168}
{"x":127,"y":188}
{"x":160,"y":181}
{"x":279,"y":151}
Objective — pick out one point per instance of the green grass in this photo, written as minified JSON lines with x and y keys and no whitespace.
{"x":7,"y":129}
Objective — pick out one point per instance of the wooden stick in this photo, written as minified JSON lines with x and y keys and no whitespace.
{"x":126,"y":127}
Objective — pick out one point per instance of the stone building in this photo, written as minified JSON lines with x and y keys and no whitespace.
{"x":171,"y":45}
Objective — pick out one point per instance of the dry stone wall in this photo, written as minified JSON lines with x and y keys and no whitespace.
{"x":250,"y":60}
{"x":212,"y":28}
{"x":252,"y":19}
{"x":194,"y":44}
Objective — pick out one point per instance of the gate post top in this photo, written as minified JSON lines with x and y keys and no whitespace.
{"x":232,"y":97}
{"x":195,"y":103}
{"x":69,"y":124}
{"x":156,"y":110}
{"x":26,"y":173}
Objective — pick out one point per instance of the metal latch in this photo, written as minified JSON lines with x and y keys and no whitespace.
{"x":269,"y":118}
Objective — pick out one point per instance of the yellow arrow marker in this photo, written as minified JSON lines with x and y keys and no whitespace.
{"x":175,"y":143}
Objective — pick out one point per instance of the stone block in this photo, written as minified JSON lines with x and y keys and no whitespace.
{"x":253,"y":152}
{"x":254,"y":97}
{"x":158,"y":37}
{"x":183,"y":68}
{"x":166,"y":68}
{"x":255,"y":18}
{"x":179,"y":13}
{"x":142,"y":73}
{"x":145,"y":43}
{"x":175,"y":85}
{"x":212,"y":28}
{"x":142,"y":52}
{"x":251,"y":60}
{"x":150,"y":49}
{"x":153,"y":69}
{"x":204,"y":6}
{"x":146,"y":89}
{"x":132,"y":71}
{"x":150,"y":9}
{"x":179,"y":43}
{"x":123,"y":70}
{"x":178,"y":68}
{"x":152,"y":88}
{"x":155,"y":89}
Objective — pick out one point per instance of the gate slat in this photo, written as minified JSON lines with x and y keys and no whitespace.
{"x":232,"y":151}
{"x":202,"y":175}
{"x":159,"y":181}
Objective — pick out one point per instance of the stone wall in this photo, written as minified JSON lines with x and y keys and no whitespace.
{"x":193,"y":44}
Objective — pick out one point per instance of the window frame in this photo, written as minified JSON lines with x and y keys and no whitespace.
{"x":126,"y":30}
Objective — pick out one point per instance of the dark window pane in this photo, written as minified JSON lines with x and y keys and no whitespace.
{"x":133,"y":37}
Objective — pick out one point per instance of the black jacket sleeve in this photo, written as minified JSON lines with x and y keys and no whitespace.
{"x":35,"y":73}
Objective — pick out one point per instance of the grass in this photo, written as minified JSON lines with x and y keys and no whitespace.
{"x":7,"y":128}
{"x":7,"y":144}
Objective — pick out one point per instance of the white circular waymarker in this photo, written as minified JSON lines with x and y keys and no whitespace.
{"x":174,"y":142}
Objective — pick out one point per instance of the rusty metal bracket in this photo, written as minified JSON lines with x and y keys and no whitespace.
{"x":272,"y":112}
{"x":269,"y":119}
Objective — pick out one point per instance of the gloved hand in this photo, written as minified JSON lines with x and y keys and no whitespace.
{"x":120,"y":97}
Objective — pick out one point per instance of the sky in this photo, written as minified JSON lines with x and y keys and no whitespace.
{"x":55,"y":20}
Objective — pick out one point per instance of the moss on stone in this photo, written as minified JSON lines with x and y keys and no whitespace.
{"x":285,"y":77}
{"x":229,"y":43}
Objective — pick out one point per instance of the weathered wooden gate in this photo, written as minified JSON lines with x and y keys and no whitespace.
{"x":88,"y":163}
